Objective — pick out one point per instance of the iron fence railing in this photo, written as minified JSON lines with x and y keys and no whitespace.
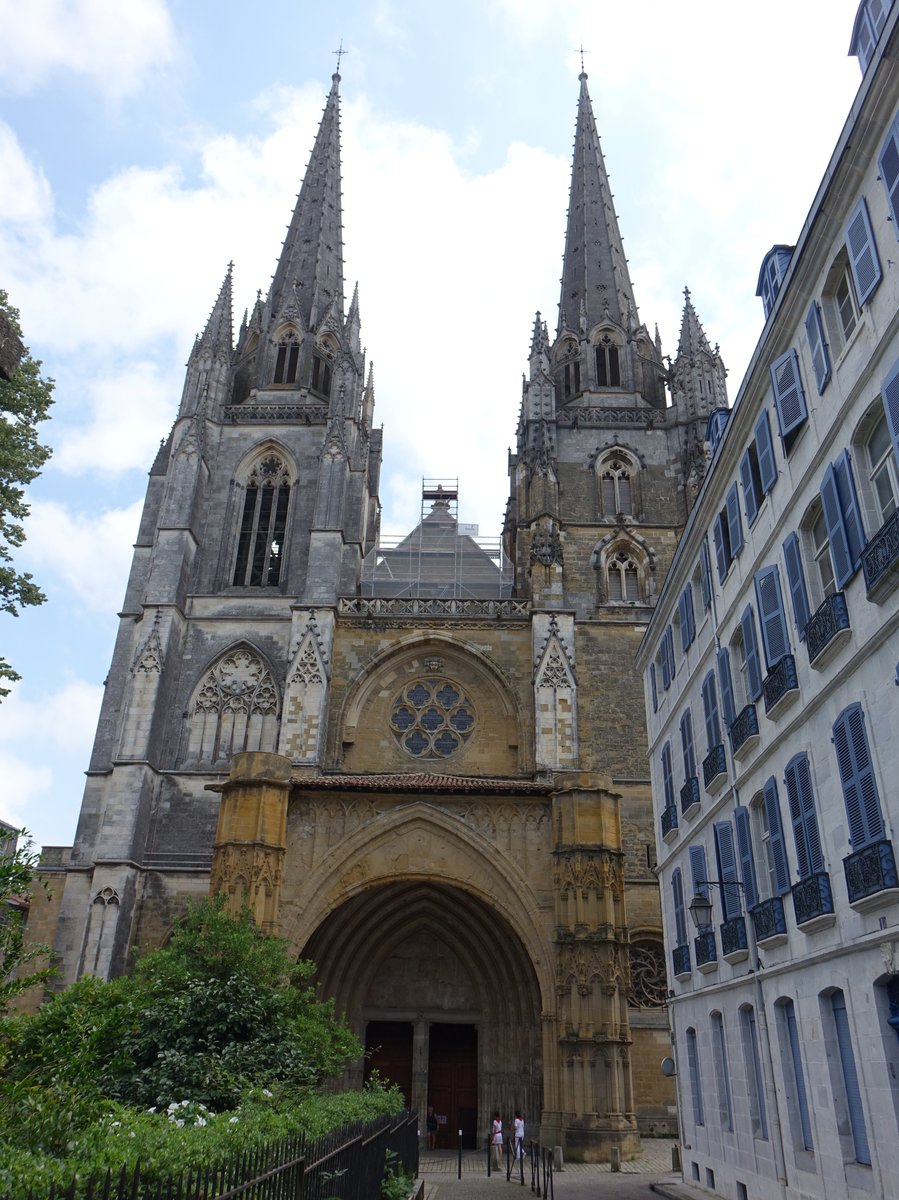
{"x":347,"y":1164}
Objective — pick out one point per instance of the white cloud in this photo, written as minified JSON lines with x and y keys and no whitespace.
{"x":89,"y":553}
{"x":114,"y":45}
{"x":25,"y":195}
{"x":24,"y":785}
{"x":66,"y":718}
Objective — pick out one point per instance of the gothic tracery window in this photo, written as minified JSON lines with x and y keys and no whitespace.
{"x":235,"y":708}
{"x":260,"y":543}
{"x":617,"y":494}
{"x":648,"y":985}
{"x":623,"y":577}
{"x":287,"y":358}
{"x":432,"y":718}
{"x":608,"y":367}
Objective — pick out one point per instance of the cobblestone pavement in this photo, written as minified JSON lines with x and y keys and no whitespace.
{"x":437,"y":1165}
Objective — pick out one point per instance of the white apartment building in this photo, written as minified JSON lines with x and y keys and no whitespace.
{"x":772,"y":682}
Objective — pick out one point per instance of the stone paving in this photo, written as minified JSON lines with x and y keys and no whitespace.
{"x":655,"y":1159}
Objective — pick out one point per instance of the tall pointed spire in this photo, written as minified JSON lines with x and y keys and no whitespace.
{"x":309,"y":275}
{"x":216,"y":339}
{"x":692,"y":335}
{"x":595,"y":278}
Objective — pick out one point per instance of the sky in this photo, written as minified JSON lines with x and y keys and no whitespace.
{"x":144,"y":145}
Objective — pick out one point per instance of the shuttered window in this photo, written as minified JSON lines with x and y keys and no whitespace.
{"x":687,"y":620}
{"x":798,"y":1077}
{"x":852,"y":1091}
{"x":752,"y":484}
{"x":680,"y":912}
{"x":817,"y":346}
{"x":850,"y":742}
{"x":842,"y":518}
{"x":765,"y":450}
{"x":891,"y":406}
{"x":727,"y":686}
{"x":705,"y":567}
{"x":777,"y":850}
{"x":801,"y":798}
{"x":889,"y":172}
{"x":743,"y":827}
{"x":754,"y":1078}
{"x":653,"y":687}
{"x":667,"y":780}
{"x":796,"y":580}
{"x":772,"y":619}
{"x":726,"y":855}
{"x":722,"y":545}
{"x":863,"y":260}
{"x":695,"y":1079}
{"x":734,"y":524}
{"x":789,"y":398}
{"x":751,"y":655}
{"x":699,"y":871}
{"x":686,"y":738}
{"x":710,"y":710}
{"x":666,"y":650}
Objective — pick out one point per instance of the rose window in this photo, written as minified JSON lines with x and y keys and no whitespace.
{"x":432,"y":718}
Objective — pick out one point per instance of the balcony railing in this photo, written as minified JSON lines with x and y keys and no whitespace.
{"x":744,"y":732}
{"x":689,"y":796}
{"x":669,"y":823}
{"x":827,"y":629}
{"x":880,"y":559}
{"x":781,"y":685}
{"x":769,"y":921}
{"x":871,"y":874}
{"x":714,"y":768}
{"x":734,"y":942}
{"x":680,"y":960}
{"x":706,"y":950}
{"x":813,"y":902}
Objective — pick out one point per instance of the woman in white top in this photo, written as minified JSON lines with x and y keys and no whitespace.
{"x":496,"y":1140}
{"x":519,"y":1133}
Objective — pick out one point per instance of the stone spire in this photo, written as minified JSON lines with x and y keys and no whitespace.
{"x":206,"y":380}
{"x":595,"y":279}
{"x":692,"y":335}
{"x":309,"y":276}
{"x":698,"y":377}
{"x":216,"y":339}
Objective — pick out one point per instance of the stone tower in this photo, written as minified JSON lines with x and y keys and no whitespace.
{"x":421,"y":761}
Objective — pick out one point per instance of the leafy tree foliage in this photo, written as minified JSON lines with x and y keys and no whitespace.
{"x":25,"y":399}
{"x":17,"y":864}
{"x":221,"y":1009}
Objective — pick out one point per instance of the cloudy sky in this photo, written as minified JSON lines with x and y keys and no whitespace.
{"x":144,"y":144}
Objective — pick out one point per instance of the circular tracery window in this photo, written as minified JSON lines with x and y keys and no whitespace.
{"x":432,"y":718}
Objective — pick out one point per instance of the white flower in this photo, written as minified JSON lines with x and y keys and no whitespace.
{"x":153,"y":1109}
{"x":171,"y":1108}
{"x":180,"y":1124}
{"x":131,"y":1134}
{"x":266,"y":1092}
{"x":116,"y":1124}
{"x":233,"y":1120}
{"x":200,"y":1121}
{"x":184,"y":1103}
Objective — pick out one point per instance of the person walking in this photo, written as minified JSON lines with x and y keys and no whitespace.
{"x":496,"y":1140}
{"x":519,"y":1133}
{"x":431,"y":1126}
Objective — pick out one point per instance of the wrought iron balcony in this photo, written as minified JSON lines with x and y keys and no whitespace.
{"x":880,"y":559}
{"x":871,"y":875}
{"x":781,"y":685}
{"x":769,"y":922}
{"x":744,"y":732}
{"x":706,"y":950}
{"x":689,"y":797}
{"x":813,"y":902}
{"x":734,"y":942}
{"x":680,"y":959}
{"x":669,"y":823}
{"x":827,"y":630}
{"x":714,"y":769}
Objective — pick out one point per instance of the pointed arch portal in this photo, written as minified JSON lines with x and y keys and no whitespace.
{"x":440,"y":988}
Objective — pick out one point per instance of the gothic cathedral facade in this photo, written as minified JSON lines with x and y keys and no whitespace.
{"x":424,"y":763}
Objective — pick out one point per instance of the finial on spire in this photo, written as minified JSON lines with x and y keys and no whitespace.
{"x":582,"y":52}
{"x":340,"y":53}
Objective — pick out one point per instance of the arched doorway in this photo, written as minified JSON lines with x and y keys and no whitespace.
{"x":440,"y":988}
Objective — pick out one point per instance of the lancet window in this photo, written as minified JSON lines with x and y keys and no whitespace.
{"x":260,"y":543}
{"x":617,"y":494}
{"x":321,"y":375}
{"x":287,"y":358}
{"x":623,"y":577}
{"x":608,"y":367}
{"x":235,"y":708}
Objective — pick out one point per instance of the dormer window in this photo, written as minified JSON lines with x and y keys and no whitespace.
{"x":774,"y":268}
{"x":321,"y":375}
{"x":608,"y":369}
{"x":869,"y":22}
{"x":287,"y":358}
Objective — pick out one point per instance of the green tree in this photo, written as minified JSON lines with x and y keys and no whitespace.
{"x":25,"y":399}
{"x":17,"y":866}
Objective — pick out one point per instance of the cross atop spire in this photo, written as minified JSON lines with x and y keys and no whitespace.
{"x":340,"y":53}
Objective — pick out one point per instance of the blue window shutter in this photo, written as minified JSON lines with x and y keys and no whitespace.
{"x":817,"y":346}
{"x":710,"y":709}
{"x":727,"y":868}
{"x":772,"y":620}
{"x":850,"y":1078}
{"x":750,"y":499}
{"x":653,"y":687}
{"x":695,"y":1079}
{"x":705,"y":567}
{"x":734,"y":524}
{"x":667,"y":781}
{"x":891,"y":406}
{"x":685,"y":638}
{"x":751,"y":651}
{"x":796,"y":579}
{"x":727,"y":687}
{"x":798,"y":1076}
{"x":863,"y":260}
{"x":789,"y":398}
{"x":686,"y":737}
{"x":776,"y":838}
{"x":764,"y":448}
{"x":666,"y":661}
{"x":852,"y":517}
{"x":721,"y":555}
{"x":801,"y":798}
{"x":680,"y":916}
{"x":843,"y":567}
{"x":699,"y":871}
{"x":889,"y":172}
{"x":688,"y":608}
{"x":857,"y":777}
{"x":747,"y":862}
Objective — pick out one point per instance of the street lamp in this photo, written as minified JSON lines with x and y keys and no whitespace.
{"x":700,"y":909}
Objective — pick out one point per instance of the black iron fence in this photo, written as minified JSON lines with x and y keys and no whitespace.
{"x":347,"y":1164}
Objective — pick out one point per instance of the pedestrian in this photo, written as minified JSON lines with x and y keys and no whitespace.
{"x":496,"y":1140}
{"x":519,"y":1133}
{"x":431,"y":1126}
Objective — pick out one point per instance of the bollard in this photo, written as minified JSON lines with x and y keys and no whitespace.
{"x":675,"y":1158}
{"x":558,"y":1164}
{"x":615,"y":1158}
